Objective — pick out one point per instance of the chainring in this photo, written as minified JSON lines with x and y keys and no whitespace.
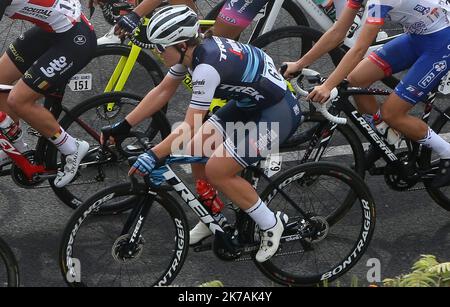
{"x":18,"y":175}
{"x":393,"y":177}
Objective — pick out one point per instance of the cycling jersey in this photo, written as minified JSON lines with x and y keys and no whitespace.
{"x":256,"y":93}
{"x":50,"y":15}
{"x":417,"y":17}
{"x":227,"y":69}
{"x":241,"y":12}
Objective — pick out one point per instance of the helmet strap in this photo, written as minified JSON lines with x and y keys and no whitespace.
{"x":182,"y":54}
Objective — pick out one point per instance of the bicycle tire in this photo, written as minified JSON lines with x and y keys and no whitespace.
{"x":73,"y":233}
{"x":89,"y":110}
{"x":288,"y":5}
{"x":9,"y":262}
{"x":366,"y":205}
{"x":145,"y":75}
{"x":437,"y":194}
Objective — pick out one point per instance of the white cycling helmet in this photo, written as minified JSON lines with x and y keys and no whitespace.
{"x":173,"y":24}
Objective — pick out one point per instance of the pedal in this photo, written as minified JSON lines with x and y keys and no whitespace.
{"x":202,"y":247}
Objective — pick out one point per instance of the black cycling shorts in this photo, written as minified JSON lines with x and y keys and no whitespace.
{"x":251,"y":134}
{"x":48,"y":60}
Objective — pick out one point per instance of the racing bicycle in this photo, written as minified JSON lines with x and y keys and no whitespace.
{"x":9,"y":270}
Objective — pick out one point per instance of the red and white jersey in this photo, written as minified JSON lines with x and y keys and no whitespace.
{"x":50,"y":15}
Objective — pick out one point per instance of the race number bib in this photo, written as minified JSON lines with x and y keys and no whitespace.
{"x":81,"y":83}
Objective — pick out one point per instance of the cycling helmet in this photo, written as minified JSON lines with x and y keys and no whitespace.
{"x":173,"y":24}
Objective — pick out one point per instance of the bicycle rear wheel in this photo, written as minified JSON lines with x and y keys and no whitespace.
{"x":9,"y":271}
{"x":90,"y":246}
{"x":316,"y":253}
{"x":428,"y":159}
{"x":85,"y":122}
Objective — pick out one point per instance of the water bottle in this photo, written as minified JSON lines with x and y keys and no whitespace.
{"x":208,"y":196}
{"x":392,"y":136}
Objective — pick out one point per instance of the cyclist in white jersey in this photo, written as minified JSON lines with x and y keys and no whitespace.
{"x":40,"y":62}
{"x":424,"y":49}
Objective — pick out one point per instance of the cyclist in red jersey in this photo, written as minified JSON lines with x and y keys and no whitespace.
{"x":40,"y":62}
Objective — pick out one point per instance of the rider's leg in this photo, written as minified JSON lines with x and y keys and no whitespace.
{"x":9,"y":74}
{"x":364,"y":75}
{"x":235,"y":16}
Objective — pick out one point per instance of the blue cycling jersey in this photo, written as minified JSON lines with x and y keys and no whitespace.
{"x":227,"y":69}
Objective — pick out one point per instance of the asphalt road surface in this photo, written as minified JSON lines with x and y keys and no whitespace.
{"x":31,"y":221}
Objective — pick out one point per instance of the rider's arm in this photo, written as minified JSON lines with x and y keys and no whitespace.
{"x":352,"y":58}
{"x":179,"y":135}
{"x":154,"y":101}
{"x":205,"y":80}
{"x":148,"y":6}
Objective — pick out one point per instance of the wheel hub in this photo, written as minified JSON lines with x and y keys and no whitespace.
{"x":124,"y":252}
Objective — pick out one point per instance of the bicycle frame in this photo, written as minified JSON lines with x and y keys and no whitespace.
{"x":378,"y":144}
{"x":166,"y":174}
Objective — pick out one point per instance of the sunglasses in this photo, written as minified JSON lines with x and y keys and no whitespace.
{"x":159,"y":48}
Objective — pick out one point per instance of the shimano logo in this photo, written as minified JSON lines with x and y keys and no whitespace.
{"x":55,"y":65}
{"x":375,"y":136}
{"x":244,"y":90}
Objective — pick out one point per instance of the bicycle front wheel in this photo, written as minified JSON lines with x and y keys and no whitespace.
{"x":85,"y":122}
{"x":145,"y":74}
{"x":90,"y":250}
{"x":9,"y":271}
{"x":335,"y":234}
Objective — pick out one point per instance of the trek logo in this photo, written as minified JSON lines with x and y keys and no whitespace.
{"x":235,"y":48}
{"x":375,"y":136}
{"x":136,"y":229}
{"x":6,"y":146}
{"x":244,"y":90}
{"x":438,"y":67}
{"x":223,"y":51}
{"x":422,"y":9}
{"x":55,"y":65}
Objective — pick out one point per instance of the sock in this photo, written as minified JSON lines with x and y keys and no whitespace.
{"x":64,"y":142}
{"x":436,"y":143}
{"x":262,"y":215}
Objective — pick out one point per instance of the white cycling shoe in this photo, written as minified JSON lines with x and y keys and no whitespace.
{"x":72,"y":164}
{"x":270,"y":238}
{"x":199,"y":233}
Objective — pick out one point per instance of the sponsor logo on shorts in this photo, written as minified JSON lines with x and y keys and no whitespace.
{"x":80,"y":40}
{"x":437,"y":69}
{"x":27,"y":75}
{"x":43,"y":85}
{"x":415,"y":91}
{"x":54,"y":66}
{"x":15,"y":53}
{"x":422,"y":9}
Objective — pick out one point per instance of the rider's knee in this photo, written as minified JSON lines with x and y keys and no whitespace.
{"x":14,"y":102}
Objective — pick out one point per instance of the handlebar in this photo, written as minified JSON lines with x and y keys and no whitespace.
{"x":313,"y":75}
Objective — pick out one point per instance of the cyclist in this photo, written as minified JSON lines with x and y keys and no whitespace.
{"x":226,"y":69}
{"x":41,"y":61}
{"x":424,"y":49}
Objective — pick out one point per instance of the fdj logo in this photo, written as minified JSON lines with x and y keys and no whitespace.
{"x":438,"y":67}
{"x":422,"y":9}
{"x":74,"y":270}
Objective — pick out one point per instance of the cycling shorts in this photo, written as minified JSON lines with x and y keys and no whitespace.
{"x":251,"y":134}
{"x":48,"y":60}
{"x":241,"y":12}
{"x":426,"y":56}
